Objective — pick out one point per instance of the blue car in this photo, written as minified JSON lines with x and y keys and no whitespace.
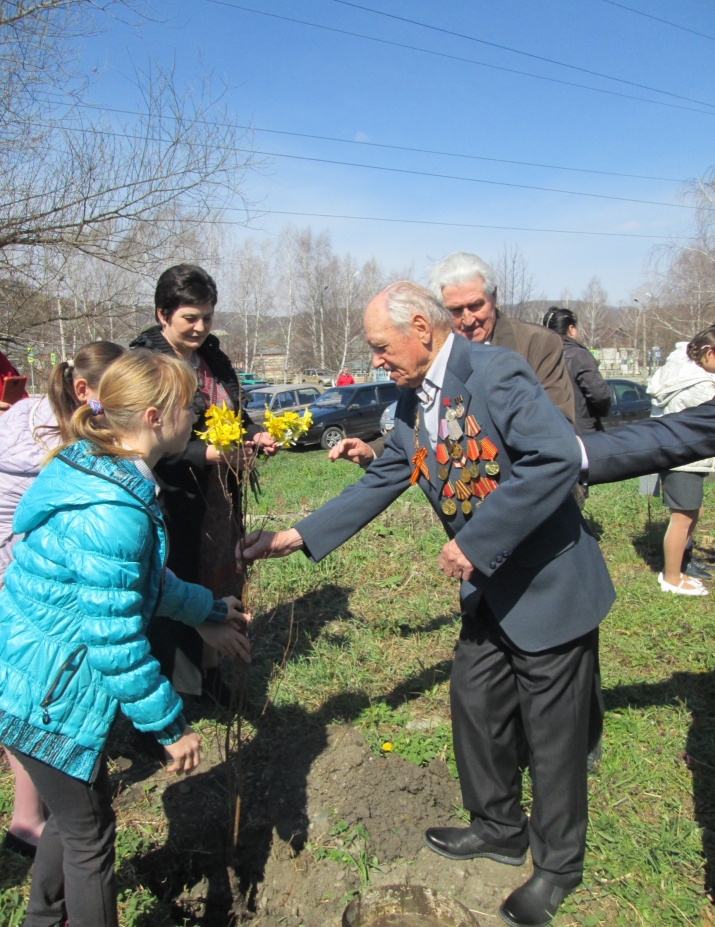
{"x":349,"y":412}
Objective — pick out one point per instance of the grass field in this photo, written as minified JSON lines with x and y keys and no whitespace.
{"x":366,"y":637}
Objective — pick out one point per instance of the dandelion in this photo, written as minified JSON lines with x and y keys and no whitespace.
{"x":224,"y":429}
{"x":285,"y":429}
{"x":387,"y":747}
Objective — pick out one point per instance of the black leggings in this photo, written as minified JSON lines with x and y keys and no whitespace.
{"x":74,"y":864}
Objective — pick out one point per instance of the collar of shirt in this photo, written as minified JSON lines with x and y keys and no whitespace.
{"x":431,"y":389}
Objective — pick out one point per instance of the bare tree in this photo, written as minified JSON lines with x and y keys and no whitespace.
{"x":683,"y":281}
{"x":73,"y":183}
{"x":515,"y":284}
{"x":593,"y":316}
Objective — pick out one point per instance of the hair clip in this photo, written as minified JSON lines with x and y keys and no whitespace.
{"x":96,"y":406}
{"x":70,"y":363}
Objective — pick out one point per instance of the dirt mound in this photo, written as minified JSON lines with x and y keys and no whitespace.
{"x":322,"y":817}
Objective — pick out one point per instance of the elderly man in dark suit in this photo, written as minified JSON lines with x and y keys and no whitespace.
{"x":497,"y":462}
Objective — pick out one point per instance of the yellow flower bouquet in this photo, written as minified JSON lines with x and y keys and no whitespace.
{"x":285,"y":429}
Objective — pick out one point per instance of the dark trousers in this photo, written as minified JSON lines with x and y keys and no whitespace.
{"x":493,"y":683}
{"x":74,"y":864}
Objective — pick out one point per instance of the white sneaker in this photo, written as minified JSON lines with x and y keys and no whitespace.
{"x":686,"y":586}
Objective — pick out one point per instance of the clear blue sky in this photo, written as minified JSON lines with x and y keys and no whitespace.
{"x":294,"y":78}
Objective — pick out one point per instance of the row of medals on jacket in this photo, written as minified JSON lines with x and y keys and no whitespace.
{"x":463,"y":455}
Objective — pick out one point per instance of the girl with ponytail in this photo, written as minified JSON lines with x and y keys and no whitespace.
{"x":28,"y":430}
{"x":87,"y":577}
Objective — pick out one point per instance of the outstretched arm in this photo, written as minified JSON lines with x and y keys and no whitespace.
{"x":652,"y":445}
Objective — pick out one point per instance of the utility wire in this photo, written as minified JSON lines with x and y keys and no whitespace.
{"x":431,"y":151}
{"x":462,"y":225}
{"x":463,"y":60}
{"x":396,"y":170}
{"x":667,"y":22}
{"x":516,"y":51}
{"x":494,"y":183}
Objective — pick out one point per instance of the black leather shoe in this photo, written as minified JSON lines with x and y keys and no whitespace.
{"x":463,"y":843}
{"x":534,"y":903}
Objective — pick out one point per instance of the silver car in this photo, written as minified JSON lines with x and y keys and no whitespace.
{"x":286,"y":397}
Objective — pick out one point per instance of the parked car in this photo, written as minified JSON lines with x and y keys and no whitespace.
{"x":249,"y":380}
{"x":629,"y":403}
{"x":286,"y":397}
{"x":318,"y":375}
{"x":349,"y":412}
{"x":387,"y":419}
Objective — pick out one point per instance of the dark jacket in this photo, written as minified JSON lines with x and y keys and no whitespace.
{"x":527,"y":538}
{"x":592,"y":395}
{"x":183,"y":478}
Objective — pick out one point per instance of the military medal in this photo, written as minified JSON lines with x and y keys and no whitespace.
{"x":459,"y":408}
{"x":474,"y":471}
{"x":457,"y":451}
{"x":450,"y":415}
{"x":472,"y":449}
{"x":442,"y":454}
{"x":471,"y":427}
{"x":443,"y":429}
{"x":443,"y":473}
{"x":455,"y":429}
{"x":465,"y":476}
{"x":487,"y":449}
{"x":492,"y":468}
{"x":449,"y":506}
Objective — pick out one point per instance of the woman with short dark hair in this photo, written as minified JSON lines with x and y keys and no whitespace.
{"x":202,"y":530}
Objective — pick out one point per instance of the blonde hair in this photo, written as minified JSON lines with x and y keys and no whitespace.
{"x":137,"y":381}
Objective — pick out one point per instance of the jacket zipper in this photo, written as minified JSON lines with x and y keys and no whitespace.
{"x":50,"y":694}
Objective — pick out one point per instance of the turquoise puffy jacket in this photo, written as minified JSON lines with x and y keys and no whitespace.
{"x":78,"y":598}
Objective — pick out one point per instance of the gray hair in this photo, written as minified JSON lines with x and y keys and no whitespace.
{"x":403,"y":298}
{"x":460,"y":268}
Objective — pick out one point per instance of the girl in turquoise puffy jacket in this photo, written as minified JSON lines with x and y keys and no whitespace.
{"x":86,"y":580}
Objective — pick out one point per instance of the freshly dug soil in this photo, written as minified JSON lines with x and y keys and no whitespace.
{"x":322,"y":817}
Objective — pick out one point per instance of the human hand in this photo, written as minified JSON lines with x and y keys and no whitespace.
{"x":352,"y":449}
{"x":260,"y":545}
{"x":266,"y":443}
{"x":235,"y":612}
{"x":184,"y":752}
{"x":452,"y":562}
{"x":228,"y":638}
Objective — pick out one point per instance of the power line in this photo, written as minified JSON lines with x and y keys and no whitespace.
{"x":667,"y":22}
{"x":390,"y":147}
{"x":401,"y":170}
{"x":456,"y":154}
{"x":482,"y":64}
{"x":456,"y":225}
{"x":493,"y":183}
{"x":516,"y":51}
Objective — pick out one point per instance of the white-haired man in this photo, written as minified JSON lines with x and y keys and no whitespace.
{"x":469,"y":430}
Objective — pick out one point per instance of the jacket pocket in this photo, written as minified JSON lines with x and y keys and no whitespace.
{"x":64,"y":677}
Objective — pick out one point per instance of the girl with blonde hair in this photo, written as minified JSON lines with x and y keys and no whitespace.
{"x":87,"y":577}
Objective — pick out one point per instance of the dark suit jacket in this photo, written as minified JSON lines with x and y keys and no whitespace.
{"x":652,"y":445}
{"x":538,"y":568}
{"x":543,"y":351}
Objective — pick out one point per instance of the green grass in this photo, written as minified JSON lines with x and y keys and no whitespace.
{"x":366,"y":637}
